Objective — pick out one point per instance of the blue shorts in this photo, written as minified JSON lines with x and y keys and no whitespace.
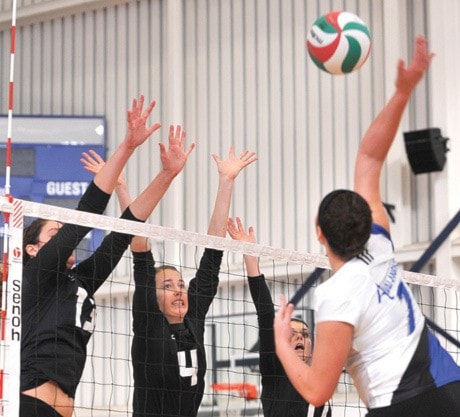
{"x":443,"y":401}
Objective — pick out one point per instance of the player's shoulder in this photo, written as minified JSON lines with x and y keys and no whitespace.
{"x":380,"y":241}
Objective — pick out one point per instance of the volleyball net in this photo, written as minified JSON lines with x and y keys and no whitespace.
{"x":233,"y":384}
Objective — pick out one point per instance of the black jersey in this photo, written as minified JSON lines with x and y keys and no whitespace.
{"x":279,"y":397}
{"x":168,"y":381}
{"x":58,"y":310}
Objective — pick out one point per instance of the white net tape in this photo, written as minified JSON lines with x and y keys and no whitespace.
{"x":192,"y":238}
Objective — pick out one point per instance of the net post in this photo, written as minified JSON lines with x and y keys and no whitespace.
{"x":11,"y":325}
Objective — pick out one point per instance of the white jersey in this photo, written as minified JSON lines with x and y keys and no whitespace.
{"x":391,"y":354}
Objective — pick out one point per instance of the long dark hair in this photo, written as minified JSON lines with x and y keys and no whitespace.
{"x":345,"y":219}
{"x":30,"y":236}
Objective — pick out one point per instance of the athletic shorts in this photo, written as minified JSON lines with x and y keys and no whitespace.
{"x":33,"y":407}
{"x":439,"y":402}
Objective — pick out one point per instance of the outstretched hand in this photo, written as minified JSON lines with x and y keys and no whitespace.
{"x":93,"y":163}
{"x":408,"y":77}
{"x":231,"y":167}
{"x":138,"y":131}
{"x":237,"y":232}
{"x":175,"y":156}
{"x":282,"y":323}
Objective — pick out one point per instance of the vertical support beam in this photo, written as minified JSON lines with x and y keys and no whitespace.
{"x":173,"y":59}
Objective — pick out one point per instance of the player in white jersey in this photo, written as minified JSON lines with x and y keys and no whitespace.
{"x":367,"y":318}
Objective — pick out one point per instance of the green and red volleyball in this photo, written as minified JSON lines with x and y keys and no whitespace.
{"x":339,"y":42}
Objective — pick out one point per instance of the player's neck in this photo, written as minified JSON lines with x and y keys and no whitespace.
{"x":335,"y":261}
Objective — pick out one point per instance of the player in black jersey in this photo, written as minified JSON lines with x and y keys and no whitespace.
{"x":168,"y":352}
{"x":58,"y":306}
{"x":279,"y":397}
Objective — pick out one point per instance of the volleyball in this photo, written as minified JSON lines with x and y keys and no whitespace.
{"x":339,"y":42}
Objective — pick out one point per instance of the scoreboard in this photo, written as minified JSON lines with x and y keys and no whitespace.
{"x":45,"y":160}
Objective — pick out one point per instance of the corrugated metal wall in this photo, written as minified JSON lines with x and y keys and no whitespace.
{"x":247,"y":81}
{"x":233,"y":72}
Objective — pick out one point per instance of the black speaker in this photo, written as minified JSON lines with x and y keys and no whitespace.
{"x":426,"y":150}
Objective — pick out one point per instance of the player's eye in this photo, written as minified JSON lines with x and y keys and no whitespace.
{"x":305,"y":333}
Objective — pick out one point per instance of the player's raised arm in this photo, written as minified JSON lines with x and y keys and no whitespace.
{"x":380,"y":135}
{"x":228,"y":171}
{"x":136,"y":134}
{"x":173,"y":160}
{"x":237,"y":232}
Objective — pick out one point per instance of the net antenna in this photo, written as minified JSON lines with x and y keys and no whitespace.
{"x":10,"y":325}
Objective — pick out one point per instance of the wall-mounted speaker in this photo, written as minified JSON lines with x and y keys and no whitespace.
{"x":426,"y":150}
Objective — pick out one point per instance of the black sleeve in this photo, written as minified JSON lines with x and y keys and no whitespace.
{"x":144,"y":299}
{"x":52,"y":257}
{"x":93,"y":271}
{"x":203,"y":287}
{"x":263,"y":302}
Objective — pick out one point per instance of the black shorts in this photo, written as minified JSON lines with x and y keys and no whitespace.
{"x":439,"y":402}
{"x":33,"y":407}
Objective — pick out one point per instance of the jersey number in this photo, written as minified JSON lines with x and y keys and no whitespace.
{"x":191,"y":371}
{"x":82,"y":297}
{"x":404,"y":295}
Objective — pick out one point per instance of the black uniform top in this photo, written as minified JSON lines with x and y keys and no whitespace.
{"x":169,"y":361}
{"x":279,"y":397}
{"x":58,"y":310}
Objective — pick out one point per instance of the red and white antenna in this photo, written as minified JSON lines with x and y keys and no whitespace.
{"x":10,"y":102}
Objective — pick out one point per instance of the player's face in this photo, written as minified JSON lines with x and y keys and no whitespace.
{"x":300,"y":340}
{"x":171,"y":295}
{"x":49,"y":229}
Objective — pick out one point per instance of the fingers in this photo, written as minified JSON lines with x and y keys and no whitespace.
{"x":92,"y":161}
{"x":171,"y":133}
{"x":282,"y":302}
{"x":149,"y":109}
{"x":162,"y":148}
{"x":176,"y":134}
{"x":231,"y":228}
{"x":285,"y":310}
{"x":136,"y":106}
{"x":177,"y":138}
{"x":245,"y":155}
{"x":421,"y":57}
{"x":236,"y":230}
{"x":137,"y":114}
{"x":181,"y":138}
{"x":96,"y":156}
{"x":153,"y":128}
{"x":189,"y":150}
{"x":248,"y":157}
{"x":280,"y":314}
{"x":239,"y":224}
{"x":216,"y":158}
